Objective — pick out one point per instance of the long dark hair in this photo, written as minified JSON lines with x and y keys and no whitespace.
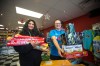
{"x":25,"y":29}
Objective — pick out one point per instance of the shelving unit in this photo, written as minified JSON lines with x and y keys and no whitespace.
{"x":3,"y":37}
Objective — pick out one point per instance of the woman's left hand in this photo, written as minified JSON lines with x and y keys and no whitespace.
{"x":33,"y":43}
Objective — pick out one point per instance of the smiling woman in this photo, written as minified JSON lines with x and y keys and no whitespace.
{"x":28,"y":55}
{"x":56,"y":44}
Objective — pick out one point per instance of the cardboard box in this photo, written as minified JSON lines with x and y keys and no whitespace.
{"x":73,"y":51}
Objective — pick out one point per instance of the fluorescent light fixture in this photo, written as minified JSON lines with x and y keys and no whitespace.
{"x":1,"y":28}
{"x":28,"y":12}
{"x":1,"y":25}
{"x":20,"y":27}
{"x":6,"y":28}
{"x":19,"y":22}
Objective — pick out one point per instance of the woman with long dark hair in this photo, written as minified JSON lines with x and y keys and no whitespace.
{"x":28,"y":56}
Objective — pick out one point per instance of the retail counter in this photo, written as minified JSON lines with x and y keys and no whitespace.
{"x":58,"y":63}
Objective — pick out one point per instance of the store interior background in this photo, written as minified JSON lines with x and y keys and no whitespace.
{"x":79,"y":12}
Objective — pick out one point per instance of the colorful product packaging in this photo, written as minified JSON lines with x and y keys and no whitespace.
{"x":23,"y":40}
{"x":73,"y":51}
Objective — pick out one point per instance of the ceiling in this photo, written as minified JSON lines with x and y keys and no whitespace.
{"x":56,"y":9}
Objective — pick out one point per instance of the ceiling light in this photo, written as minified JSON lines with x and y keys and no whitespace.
{"x":1,"y":25}
{"x":1,"y":14}
{"x":28,"y":12}
{"x":1,"y":28}
{"x":6,"y":28}
{"x":19,"y":22}
{"x":20,"y":27}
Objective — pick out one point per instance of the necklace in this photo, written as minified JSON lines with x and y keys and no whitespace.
{"x":29,"y":33}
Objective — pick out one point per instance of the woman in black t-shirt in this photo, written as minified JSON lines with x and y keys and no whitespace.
{"x":28,"y":56}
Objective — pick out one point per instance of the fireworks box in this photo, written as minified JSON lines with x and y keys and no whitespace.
{"x":73,"y":51}
{"x":23,"y":40}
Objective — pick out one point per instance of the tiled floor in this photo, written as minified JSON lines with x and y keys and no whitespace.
{"x":9,"y":60}
{"x":8,"y":56}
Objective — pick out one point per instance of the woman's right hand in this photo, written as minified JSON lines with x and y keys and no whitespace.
{"x":60,"y":51}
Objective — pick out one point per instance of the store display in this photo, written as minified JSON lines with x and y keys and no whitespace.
{"x":72,"y":43}
{"x":71,"y":28}
{"x":45,"y":56}
{"x":96,"y":43}
{"x":78,"y":38}
{"x":48,"y":39}
{"x":4,"y":34}
{"x":70,"y":35}
{"x":96,"y":26}
{"x":87,"y":39}
{"x":63,"y":39}
{"x":96,"y":46}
